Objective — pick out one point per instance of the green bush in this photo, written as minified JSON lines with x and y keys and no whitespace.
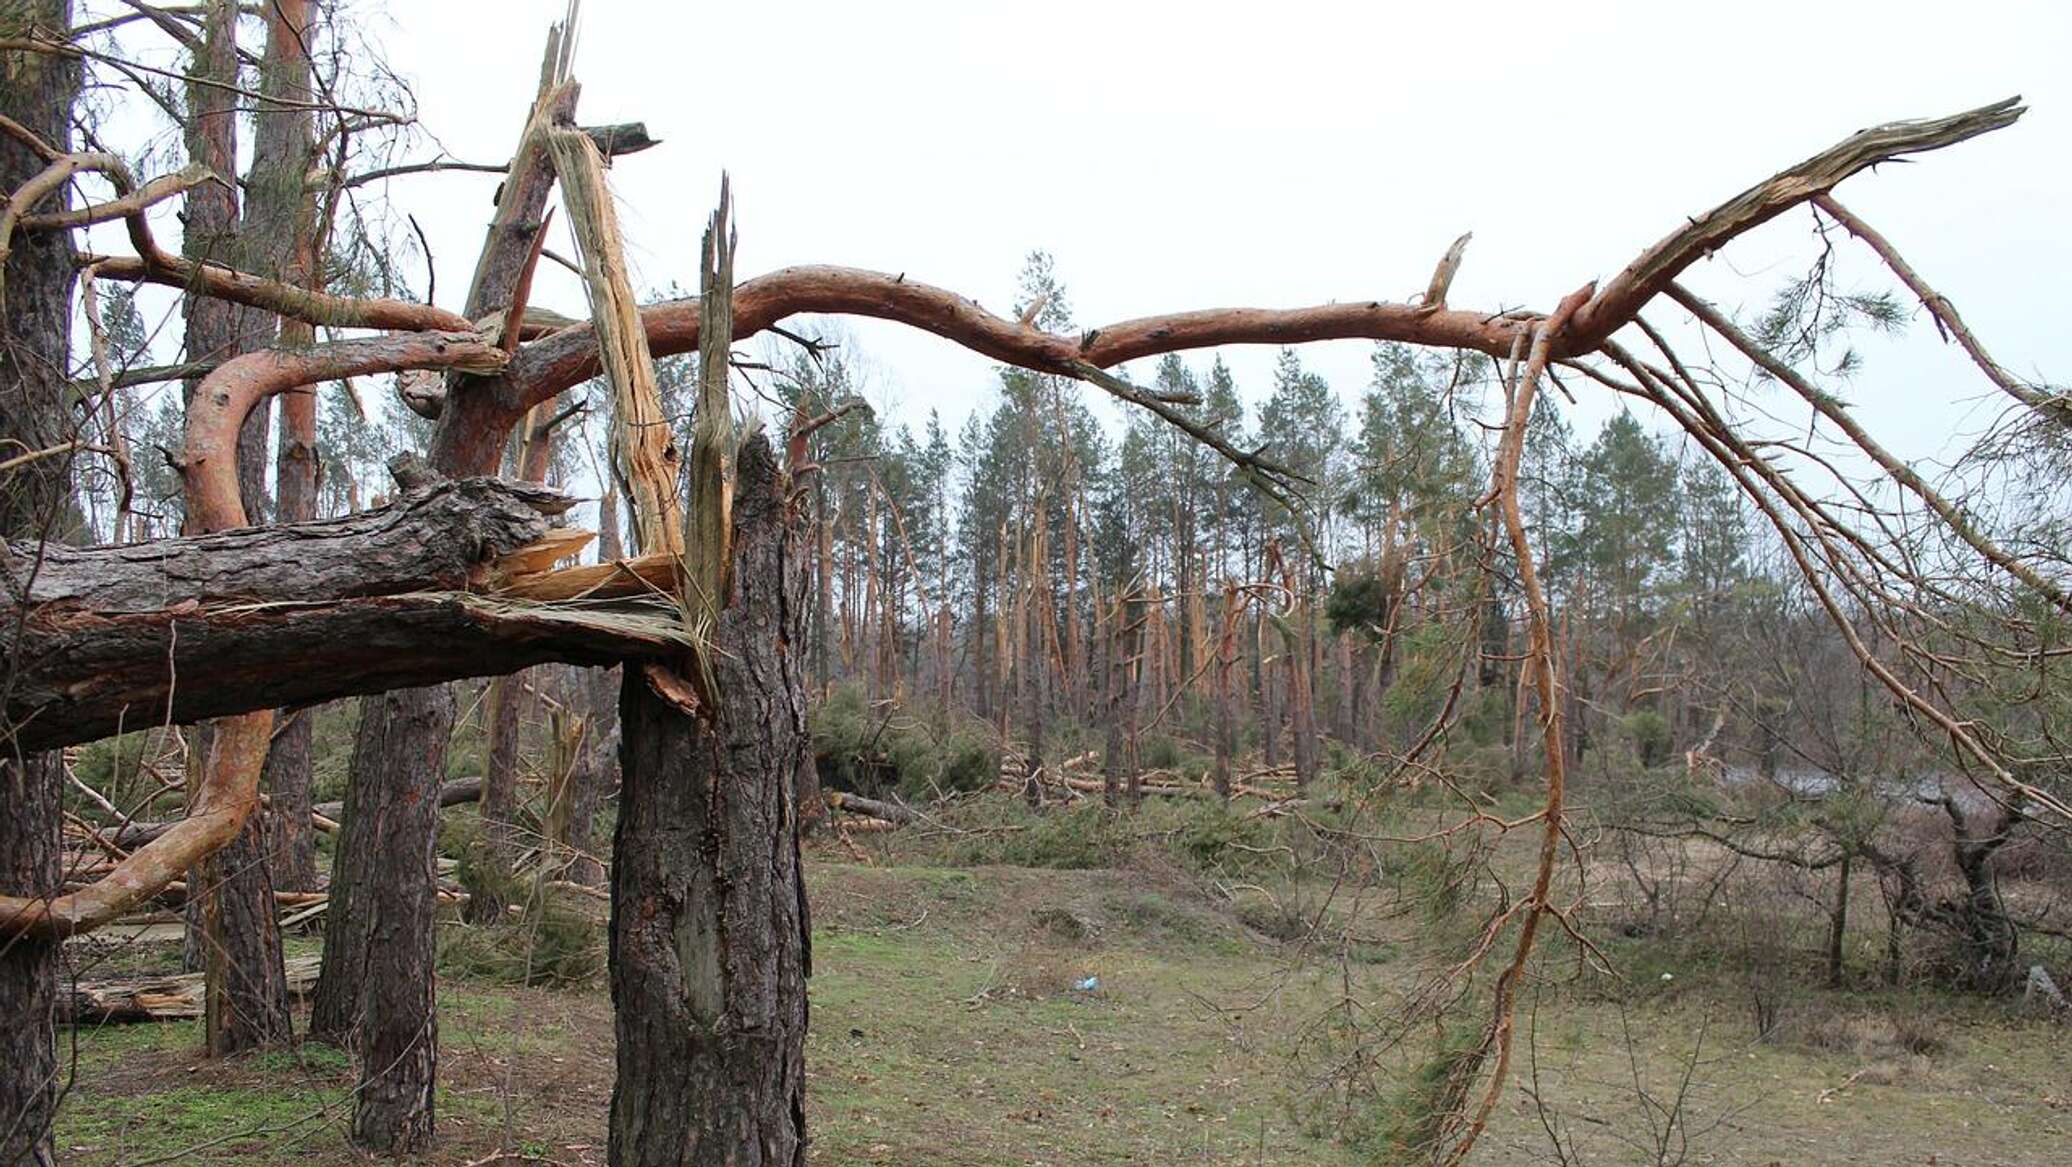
{"x":1408,"y":1122}
{"x":1080,"y":837}
{"x":875,"y":749}
{"x":1649,"y":733}
{"x":556,"y":945}
{"x":1218,"y":842}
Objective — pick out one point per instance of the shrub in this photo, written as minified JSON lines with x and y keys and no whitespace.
{"x":556,"y":945}
{"x":1078,"y":837}
{"x":1649,"y":733}
{"x":872,"y":749}
{"x":1214,"y":840}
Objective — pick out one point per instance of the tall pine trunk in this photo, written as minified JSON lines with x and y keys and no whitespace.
{"x":376,"y":991}
{"x":709,"y":932}
{"x":35,"y":502}
{"x":281,"y":241}
{"x":233,"y":931}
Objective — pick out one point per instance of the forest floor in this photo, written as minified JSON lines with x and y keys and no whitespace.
{"x":950,"y":1026}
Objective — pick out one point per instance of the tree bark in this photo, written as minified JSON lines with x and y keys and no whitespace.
{"x":281,"y":243}
{"x":211,"y":231}
{"x":1226,"y":703}
{"x":1838,"y":924}
{"x":709,"y":932}
{"x":376,"y":992}
{"x":35,"y":503}
{"x":211,"y":625}
{"x":290,"y":767}
{"x":245,"y":993}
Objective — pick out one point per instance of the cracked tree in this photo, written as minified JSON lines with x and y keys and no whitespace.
{"x":709,"y":938}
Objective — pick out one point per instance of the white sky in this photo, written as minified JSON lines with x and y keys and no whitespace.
{"x":1179,"y":156}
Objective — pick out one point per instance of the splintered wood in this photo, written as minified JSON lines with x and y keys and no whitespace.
{"x":648,"y":458}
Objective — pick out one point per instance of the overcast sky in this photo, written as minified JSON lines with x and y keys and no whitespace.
{"x":1178,"y":156}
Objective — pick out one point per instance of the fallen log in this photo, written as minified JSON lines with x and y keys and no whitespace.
{"x":854,"y":826}
{"x":888,"y":812}
{"x":168,"y":998}
{"x":323,"y":816}
{"x":441,"y":584}
{"x":455,"y":792}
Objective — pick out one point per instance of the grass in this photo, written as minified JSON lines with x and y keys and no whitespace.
{"x":947,"y":1029}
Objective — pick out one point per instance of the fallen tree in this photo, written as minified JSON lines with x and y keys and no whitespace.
{"x":436,"y":586}
{"x":168,"y":998}
{"x":324,"y":817}
{"x":716,"y":737}
{"x":871,"y":808}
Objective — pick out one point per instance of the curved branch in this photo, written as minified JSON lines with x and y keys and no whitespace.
{"x":1503,"y":491}
{"x":227,"y":395}
{"x":41,"y":186}
{"x":319,"y":308}
{"x":569,"y":357}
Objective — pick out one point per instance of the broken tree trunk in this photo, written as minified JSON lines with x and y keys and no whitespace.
{"x":169,"y":998}
{"x":872,"y":808}
{"x":433,"y":587}
{"x":709,"y":940}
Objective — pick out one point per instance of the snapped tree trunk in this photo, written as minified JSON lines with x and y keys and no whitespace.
{"x":35,"y":504}
{"x":183,"y":629}
{"x":709,"y":932}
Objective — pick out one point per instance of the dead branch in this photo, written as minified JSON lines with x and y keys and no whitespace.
{"x":132,"y":202}
{"x":1626,"y":293}
{"x":1540,"y":656}
{"x":1947,"y":321}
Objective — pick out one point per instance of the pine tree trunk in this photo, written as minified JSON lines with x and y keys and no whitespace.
{"x":709,"y":932}
{"x":824,"y":605}
{"x":231,"y":916}
{"x":1838,"y":923}
{"x":1263,"y":679}
{"x":1226,"y":702}
{"x":497,"y":848}
{"x":376,"y":990}
{"x":290,"y":767}
{"x":1112,"y":775}
{"x":1075,"y":633}
{"x":981,"y":628}
{"x":30,"y":854}
{"x":596,"y":691}
{"x":35,"y":502}
{"x":232,"y":928}
{"x":281,"y":230}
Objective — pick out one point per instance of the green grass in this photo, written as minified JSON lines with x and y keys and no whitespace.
{"x":946,"y":1030}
